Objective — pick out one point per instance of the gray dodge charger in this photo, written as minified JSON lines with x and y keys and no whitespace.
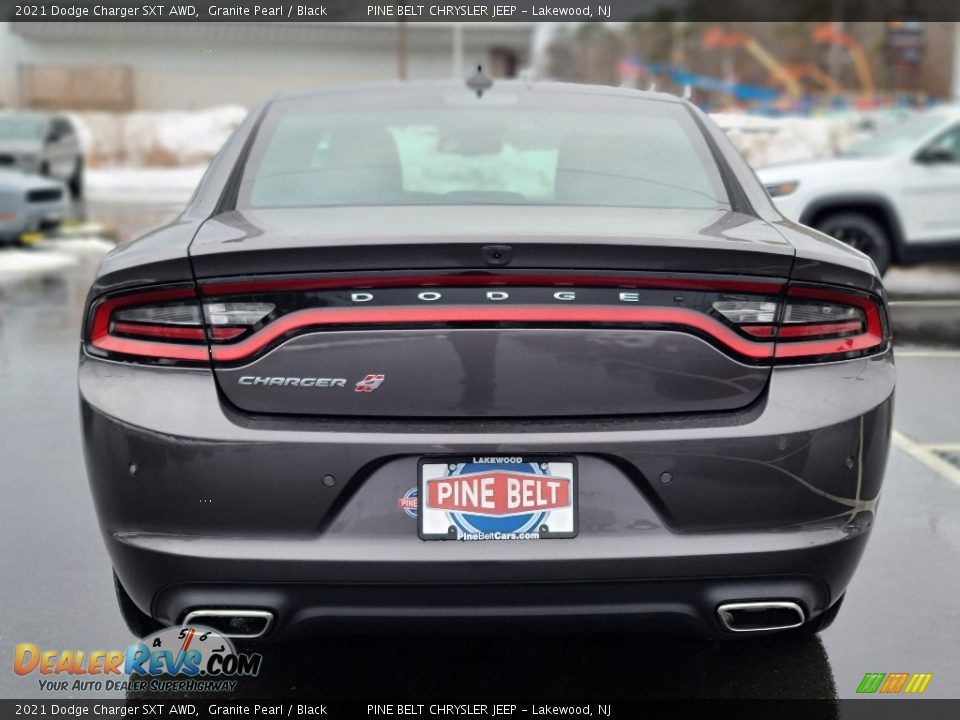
{"x":530,"y":350}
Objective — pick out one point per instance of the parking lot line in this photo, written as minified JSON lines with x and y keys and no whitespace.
{"x":927,"y":353}
{"x":926,"y":455}
{"x":925,"y":303}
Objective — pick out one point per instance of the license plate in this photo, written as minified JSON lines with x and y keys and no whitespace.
{"x":482,"y":497}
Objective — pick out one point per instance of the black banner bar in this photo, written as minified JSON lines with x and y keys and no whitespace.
{"x":193,"y":707}
{"x":475,"y":10}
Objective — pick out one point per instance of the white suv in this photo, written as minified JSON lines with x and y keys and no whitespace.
{"x":895,"y":196}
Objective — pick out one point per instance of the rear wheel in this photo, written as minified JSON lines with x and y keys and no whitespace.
{"x":823,"y":620}
{"x":138,"y":622}
{"x":860,"y":232}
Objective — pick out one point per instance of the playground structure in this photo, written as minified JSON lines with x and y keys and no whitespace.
{"x":716,"y":38}
{"x":790,"y":86}
{"x":812,"y":72}
{"x":789,"y":77}
{"x":828,"y":33}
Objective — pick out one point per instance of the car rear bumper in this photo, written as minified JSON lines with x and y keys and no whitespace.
{"x":774,"y":501}
{"x":682,"y":592}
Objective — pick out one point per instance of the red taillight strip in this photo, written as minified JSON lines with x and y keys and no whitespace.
{"x":101,"y":338}
{"x":171,"y":332}
{"x":172,"y":351}
{"x":226,"y":333}
{"x":794,"y":331}
{"x":791,"y":331}
{"x":766,"y":331}
{"x":832,"y":346}
{"x":359,"y":283}
{"x":177,"y":332}
{"x":872,"y":337}
{"x":302,"y":319}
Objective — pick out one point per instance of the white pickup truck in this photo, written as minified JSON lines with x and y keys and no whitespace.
{"x":894,"y":196}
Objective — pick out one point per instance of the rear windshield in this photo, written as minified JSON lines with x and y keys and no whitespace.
{"x":511,"y":148}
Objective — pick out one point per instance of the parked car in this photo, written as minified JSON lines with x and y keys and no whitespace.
{"x":523,"y":350}
{"x":892,"y":196}
{"x":29,"y":203}
{"x":42,"y":144}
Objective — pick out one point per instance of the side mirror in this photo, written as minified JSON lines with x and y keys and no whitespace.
{"x":53,"y":136}
{"x":935,"y":156}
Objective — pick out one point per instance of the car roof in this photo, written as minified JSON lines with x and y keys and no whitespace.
{"x":445,"y":86}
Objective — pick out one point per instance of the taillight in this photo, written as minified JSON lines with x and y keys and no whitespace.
{"x":828,"y":324}
{"x":168,"y":325}
{"x":755,"y":321}
{"x":810,"y":323}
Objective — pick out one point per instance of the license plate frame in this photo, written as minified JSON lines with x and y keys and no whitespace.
{"x":537,"y":474}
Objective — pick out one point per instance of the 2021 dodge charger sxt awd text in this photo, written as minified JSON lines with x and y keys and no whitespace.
{"x":544,"y":350}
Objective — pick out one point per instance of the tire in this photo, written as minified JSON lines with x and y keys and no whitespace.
{"x":76,"y":181}
{"x":138,"y":622}
{"x":861,"y":232}
{"x":823,"y":620}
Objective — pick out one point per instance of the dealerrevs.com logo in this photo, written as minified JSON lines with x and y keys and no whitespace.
{"x":198,"y":658}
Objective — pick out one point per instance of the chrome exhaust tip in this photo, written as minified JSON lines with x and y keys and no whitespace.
{"x":741,"y":617}
{"x":241,"y":624}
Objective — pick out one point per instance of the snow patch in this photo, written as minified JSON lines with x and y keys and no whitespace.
{"x":147,"y":185}
{"x":51,"y":256}
{"x":24,"y":263}
{"x":156,"y":139}
{"x":767,"y":141}
{"x":82,"y":246}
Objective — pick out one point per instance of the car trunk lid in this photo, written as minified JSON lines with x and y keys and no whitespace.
{"x":523,"y":312}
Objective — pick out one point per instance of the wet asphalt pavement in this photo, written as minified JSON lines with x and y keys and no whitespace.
{"x":901,"y":611}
